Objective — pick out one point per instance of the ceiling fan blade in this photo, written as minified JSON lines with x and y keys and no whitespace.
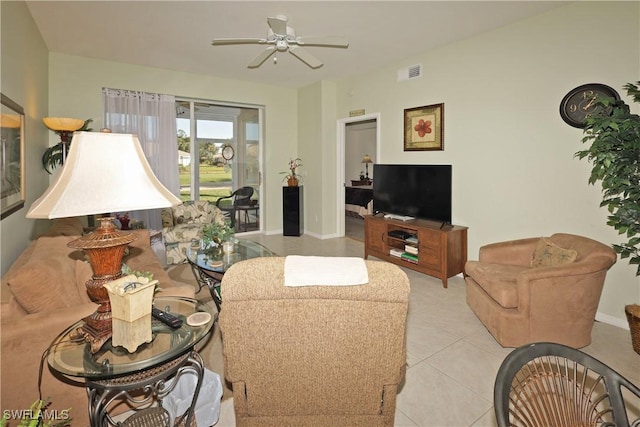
{"x":305,"y":57}
{"x":216,"y":42}
{"x":278,"y":24}
{"x":261,"y":57}
{"x":323,"y":41}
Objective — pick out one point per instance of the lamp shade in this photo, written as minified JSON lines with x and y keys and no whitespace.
{"x":104,"y":173}
{"x":63,"y":123}
{"x":366,"y":159}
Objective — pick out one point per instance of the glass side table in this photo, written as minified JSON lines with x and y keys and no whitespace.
{"x":210,"y":264}
{"x":113,"y":374}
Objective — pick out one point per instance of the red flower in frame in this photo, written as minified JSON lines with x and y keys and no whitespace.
{"x":423,"y":127}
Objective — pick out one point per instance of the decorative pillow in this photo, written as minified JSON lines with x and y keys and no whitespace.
{"x":65,"y":227}
{"x":48,"y":280}
{"x":167,"y":217}
{"x":548,"y":254}
{"x":192,"y":212}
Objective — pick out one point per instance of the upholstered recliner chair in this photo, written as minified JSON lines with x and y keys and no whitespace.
{"x":539,"y":289}
{"x":183,"y":223}
{"x":313,"y":355}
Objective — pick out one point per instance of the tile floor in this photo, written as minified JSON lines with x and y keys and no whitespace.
{"x":452,"y":359}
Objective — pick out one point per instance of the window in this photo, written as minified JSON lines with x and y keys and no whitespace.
{"x":205,"y":173}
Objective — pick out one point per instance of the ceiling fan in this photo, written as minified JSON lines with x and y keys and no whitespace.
{"x":280,"y":38}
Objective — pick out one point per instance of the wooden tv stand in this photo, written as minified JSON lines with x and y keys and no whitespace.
{"x":440,"y":251}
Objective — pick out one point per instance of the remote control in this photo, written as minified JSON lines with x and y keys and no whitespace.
{"x":166,"y":318}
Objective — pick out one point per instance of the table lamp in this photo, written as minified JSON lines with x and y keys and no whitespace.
{"x":366,"y":160}
{"x":104,"y":172}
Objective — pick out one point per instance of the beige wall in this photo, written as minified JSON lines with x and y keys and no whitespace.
{"x":514,"y":171}
{"x":23,"y":78}
{"x":76,"y":91}
{"x":317,"y":149}
{"x":310,"y":140}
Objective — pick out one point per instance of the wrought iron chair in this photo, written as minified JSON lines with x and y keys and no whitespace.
{"x":240,"y":197}
{"x":548,"y":384}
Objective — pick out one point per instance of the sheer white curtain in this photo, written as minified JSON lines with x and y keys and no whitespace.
{"x":152,"y":117}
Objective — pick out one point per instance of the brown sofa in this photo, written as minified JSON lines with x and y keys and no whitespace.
{"x":43,"y":293}
{"x":313,"y":355}
{"x":535,"y":289}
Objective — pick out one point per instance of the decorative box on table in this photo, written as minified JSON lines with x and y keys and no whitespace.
{"x":131,"y":300}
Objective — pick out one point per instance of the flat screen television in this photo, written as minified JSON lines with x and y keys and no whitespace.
{"x":419,"y":191}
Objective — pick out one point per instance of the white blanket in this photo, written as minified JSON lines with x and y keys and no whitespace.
{"x":324,"y":271}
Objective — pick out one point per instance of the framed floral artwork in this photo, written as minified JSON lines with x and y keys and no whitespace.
{"x":12,"y":156}
{"x":424,"y":128}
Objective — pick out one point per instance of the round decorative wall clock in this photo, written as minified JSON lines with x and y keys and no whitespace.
{"x":227,"y":152}
{"x":580,"y":103}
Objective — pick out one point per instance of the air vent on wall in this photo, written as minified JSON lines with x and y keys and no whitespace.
{"x":412,"y":72}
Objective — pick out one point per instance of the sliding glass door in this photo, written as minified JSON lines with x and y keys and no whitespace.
{"x":219,"y":152}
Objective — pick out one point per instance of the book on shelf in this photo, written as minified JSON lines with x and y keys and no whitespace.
{"x":395,"y":252}
{"x":411,"y":249}
{"x":409,"y":257}
{"x":412,"y":239}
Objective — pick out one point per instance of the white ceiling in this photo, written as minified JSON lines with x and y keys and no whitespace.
{"x":177,"y":34}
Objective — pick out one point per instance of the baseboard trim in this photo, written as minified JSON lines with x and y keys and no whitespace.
{"x":611,"y":320}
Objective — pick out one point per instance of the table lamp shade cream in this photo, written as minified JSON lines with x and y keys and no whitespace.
{"x":366,"y":160}
{"x":104,"y":173}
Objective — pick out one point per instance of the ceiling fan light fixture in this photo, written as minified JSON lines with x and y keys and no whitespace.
{"x":282,"y":45}
{"x":281,"y":38}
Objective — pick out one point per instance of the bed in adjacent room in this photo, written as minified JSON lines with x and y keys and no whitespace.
{"x":359,"y":201}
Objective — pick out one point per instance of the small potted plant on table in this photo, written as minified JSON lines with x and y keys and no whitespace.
{"x":291,"y":176}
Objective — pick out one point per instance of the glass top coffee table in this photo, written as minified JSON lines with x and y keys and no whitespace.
{"x":210,"y":264}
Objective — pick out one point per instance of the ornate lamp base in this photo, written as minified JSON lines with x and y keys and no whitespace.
{"x":105,"y":248}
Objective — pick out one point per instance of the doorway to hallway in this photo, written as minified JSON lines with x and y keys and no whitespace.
{"x":358,"y":143}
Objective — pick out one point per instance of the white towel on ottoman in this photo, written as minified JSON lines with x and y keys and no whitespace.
{"x":324,"y":271}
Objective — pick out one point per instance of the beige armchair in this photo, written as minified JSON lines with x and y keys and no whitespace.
{"x":539,"y":289}
{"x":313,"y":355}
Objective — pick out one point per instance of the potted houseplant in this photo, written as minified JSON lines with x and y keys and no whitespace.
{"x":215,"y":238}
{"x":217,"y":232}
{"x":292,"y":177}
{"x":614,"y":134}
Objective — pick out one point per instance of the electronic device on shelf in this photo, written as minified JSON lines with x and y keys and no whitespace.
{"x":399,"y":217}
{"x":420,"y":191}
{"x":400,"y":234}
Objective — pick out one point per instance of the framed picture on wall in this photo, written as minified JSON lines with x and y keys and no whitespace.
{"x":423,"y":128}
{"x":11,"y":156}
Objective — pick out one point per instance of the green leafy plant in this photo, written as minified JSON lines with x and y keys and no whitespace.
{"x":218,"y":231}
{"x":614,"y":135}
{"x":54,"y":156}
